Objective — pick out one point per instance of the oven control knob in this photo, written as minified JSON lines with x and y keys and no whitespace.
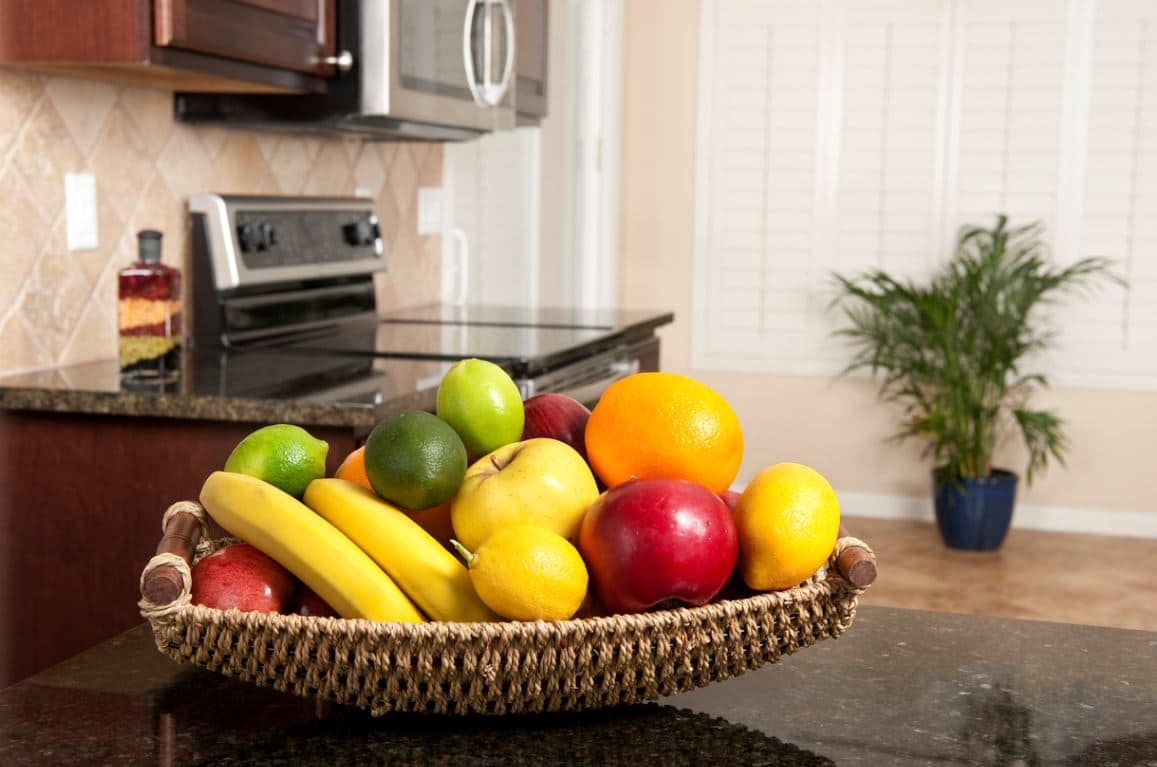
{"x":363,"y":232}
{"x":249,"y":236}
{"x":268,"y":236}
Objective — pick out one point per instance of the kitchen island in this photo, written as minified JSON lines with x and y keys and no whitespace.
{"x":901,"y":687}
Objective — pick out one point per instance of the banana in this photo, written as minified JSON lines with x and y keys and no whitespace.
{"x":306,"y":545}
{"x":429,"y":574}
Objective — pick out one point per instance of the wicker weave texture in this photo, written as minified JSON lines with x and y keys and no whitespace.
{"x":507,"y":668}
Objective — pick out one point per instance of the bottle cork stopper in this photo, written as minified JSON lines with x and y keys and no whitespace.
{"x":149,"y":246}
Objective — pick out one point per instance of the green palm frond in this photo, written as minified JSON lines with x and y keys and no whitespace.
{"x":950,"y":351}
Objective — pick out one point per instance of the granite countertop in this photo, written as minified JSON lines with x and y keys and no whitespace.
{"x":900,"y":687}
{"x":308,"y":389}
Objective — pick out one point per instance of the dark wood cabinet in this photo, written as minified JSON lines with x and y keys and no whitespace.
{"x":81,"y":500}
{"x":287,"y":34}
{"x":532,"y":46}
{"x":277,"y":46}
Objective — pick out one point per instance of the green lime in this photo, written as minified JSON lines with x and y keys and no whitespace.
{"x":286,"y":456}
{"x":483,"y":404}
{"x":415,"y":460}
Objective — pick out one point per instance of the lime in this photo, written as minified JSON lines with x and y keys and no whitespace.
{"x":286,"y":456}
{"x":483,"y":404}
{"x":415,"y":460}
{"x":528,"y":573}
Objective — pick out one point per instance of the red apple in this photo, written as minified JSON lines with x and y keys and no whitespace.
{"x":307,"y":602}
{"x":653,"y":541}
{"x":556,"y":416}
{"x":241,"y":576}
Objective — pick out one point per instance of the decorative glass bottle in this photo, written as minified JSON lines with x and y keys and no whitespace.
{"x":149,"y":314}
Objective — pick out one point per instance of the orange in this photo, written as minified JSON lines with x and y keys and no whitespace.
{"x":664,"y":426}
{"x":353,"y":468}
{"x":788,"y":519}
{"x":436,"y":522}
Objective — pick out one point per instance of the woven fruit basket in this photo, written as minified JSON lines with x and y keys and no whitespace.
{"x":490,"y":668}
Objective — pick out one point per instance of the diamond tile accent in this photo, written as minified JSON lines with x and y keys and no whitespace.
{"x":44,"y":152}
{"x":58,"y":307}
{"x":94,"y":335}
{"x":53,"y":299}
{"x":241,"y":168}
{"x":331,"y":172}
{"x":83,"y":106}
{"x":185,"y":165}
{"x":121,"y":163}
{"x":20,"y":92}
{"x":19,"y":349}
{"x":403,"y":178}
{"x":291,"y":163}
{"x":24,"y":230}
{"x":151,"y":111}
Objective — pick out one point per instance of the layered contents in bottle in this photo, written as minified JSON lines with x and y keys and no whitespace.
{"x":149,"y":318}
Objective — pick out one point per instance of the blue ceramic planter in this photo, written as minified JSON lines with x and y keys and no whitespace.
{"x":974,"y":514}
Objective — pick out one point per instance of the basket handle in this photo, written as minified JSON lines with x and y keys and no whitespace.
{"x":166,"y":579}
{"x":855,"y":561}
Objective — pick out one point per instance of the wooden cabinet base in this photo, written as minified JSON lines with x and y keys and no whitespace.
{"x":81,"y":499}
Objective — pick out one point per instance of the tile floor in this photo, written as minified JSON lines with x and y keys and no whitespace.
{"x":1036,"y":575}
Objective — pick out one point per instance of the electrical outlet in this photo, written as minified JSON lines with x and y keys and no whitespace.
{"x":430,"y":210}
{"x":80,"y":211}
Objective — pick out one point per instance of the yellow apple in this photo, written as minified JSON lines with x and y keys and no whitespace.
{"x":540,"y":481}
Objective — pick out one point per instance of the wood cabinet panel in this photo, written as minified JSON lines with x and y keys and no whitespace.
{"x":66,"y":31}
{"x":226,"y":46}
{"x":81,"y":499}
{"x":284,"y":33}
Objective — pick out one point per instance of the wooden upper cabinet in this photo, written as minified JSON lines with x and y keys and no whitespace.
{"x":287,"y":34}
{"x":274,"y":46}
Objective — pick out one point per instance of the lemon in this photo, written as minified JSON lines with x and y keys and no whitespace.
{"x":286,"y":456}
{"x":415,"y":460}
{"x":788,"y":519}
{"x":528,"y":573}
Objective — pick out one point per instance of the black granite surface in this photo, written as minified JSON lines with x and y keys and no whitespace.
{"x":901,"y":687}
{"x":255,"y":386}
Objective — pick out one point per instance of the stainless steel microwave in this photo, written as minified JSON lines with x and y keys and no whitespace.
{"x":432,"y":69}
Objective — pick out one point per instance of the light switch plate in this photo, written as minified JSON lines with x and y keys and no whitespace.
{"x":430,"y":210}
{"x":80,"y":211}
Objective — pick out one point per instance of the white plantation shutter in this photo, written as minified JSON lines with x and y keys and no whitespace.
{"x":759,"y":220}
{"x":1113,"y":338}
{"x":844,"y":135}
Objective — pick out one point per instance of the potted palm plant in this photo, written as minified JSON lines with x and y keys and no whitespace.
{"x":952,"y":354}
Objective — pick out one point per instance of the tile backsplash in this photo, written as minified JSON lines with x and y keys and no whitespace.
{"x":58,"y":307}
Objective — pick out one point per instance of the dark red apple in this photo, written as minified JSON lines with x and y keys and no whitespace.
{"x":307,"y":602}
{"x":730,"y":497}
{"x":559,"y":417}
{"x":651,"y":541}
{"x":243,"y":577}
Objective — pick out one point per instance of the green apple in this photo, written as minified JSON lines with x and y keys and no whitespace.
{"x":541,"y":481}
{"x":482,"y":402}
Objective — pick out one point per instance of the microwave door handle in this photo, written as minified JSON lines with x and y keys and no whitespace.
{"x":487,"y":93}
{"x":468,"y":53}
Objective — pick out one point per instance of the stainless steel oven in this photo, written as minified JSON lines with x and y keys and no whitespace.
{"x":297,"y":275}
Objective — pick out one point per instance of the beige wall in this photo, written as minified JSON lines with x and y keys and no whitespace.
{"x":58,"y":307}
{"x":837,"y":426}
